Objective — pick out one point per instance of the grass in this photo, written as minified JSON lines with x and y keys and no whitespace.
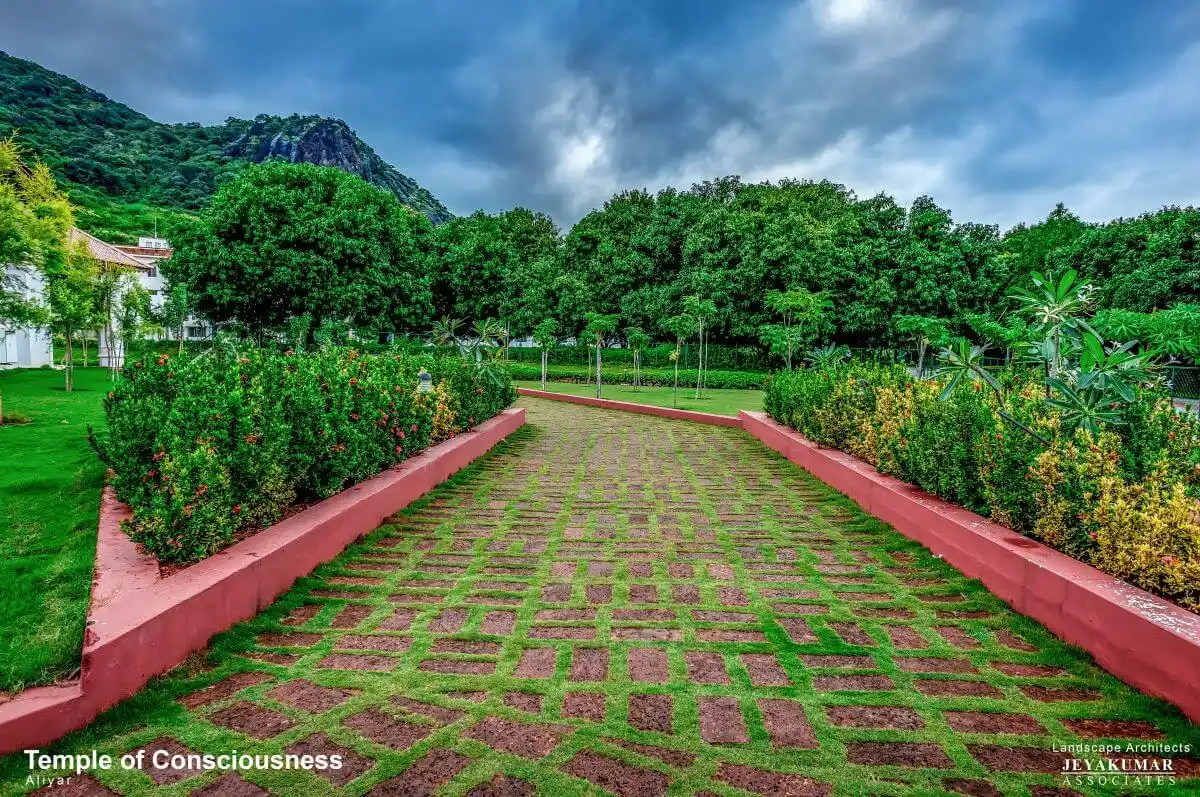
{"x":579,"y":486}
{"x":50,"y":481}
{"x":718,"y":402}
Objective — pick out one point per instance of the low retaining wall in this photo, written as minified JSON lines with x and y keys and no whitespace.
{"x":630,"y":406}
{"x":1142,"y":639}
{"x":141,"y":625}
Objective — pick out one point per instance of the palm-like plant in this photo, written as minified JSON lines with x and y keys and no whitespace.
{"x":1055,"y":308}
{"x":825,"y":357}
{"x":964,"y":361}
{"x":445,"y":331}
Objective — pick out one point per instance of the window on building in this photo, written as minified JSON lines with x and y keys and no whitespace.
{"x":195,"y":332}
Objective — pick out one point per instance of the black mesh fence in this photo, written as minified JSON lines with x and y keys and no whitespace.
{"x":1183,"y":381}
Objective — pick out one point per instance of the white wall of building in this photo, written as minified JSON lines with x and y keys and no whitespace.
{"x":25,"y":348}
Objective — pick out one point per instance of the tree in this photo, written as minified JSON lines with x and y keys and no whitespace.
{"x":803,"y":313}
{"x":282,"y":240}
{"x":174,"y":311}
{"x":682,"y":327}
{"x":136,"y":318}
{"x":35,"y":218}
{"x":701,"y":310}
{"x":71,"y":287}
{"x":637,"y":339}
{"x":545,"y":334}
{"x":925,"y":332}
{"x":599,"y":326}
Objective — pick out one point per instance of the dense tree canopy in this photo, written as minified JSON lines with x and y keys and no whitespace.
{"x":284,"y":240}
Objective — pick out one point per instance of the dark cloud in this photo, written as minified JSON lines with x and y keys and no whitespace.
{"x":996,"y":109}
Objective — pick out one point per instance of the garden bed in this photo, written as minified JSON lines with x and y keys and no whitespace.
{"x":141,"y":625}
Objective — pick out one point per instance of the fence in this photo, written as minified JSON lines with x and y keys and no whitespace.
{"x":1183,"y":381}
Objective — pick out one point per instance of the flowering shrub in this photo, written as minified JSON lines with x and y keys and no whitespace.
{"x":1126,"y":500}
{"x":209,"y":447}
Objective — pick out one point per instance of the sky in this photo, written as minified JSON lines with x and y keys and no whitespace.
{"x":998,"y":109}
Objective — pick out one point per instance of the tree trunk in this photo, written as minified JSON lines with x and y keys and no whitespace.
{"x":181,"y":338}
{"x":598,"y":370}
{"x":544,"y":354}
{"x":700,"y":359}
{"x":85,"y":351}
{"x":637,"y":369}
{"x":70,"y":363}
{"x":675,"y":397}
{"x":920,"y":358}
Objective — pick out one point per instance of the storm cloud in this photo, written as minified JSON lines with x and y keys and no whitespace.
{"x":997,"y":110}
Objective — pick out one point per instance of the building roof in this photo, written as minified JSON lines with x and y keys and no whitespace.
{"x":143,"y":251}
{"x":105,"y":252}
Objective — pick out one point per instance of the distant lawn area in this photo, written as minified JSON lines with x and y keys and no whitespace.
{"x":50,"y":481}
{"x":719,"y":402}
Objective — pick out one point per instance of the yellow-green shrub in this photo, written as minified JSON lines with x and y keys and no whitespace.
{"x":1149,"y":535}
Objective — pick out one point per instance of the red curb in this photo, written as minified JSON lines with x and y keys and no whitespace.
{"x":141,"y":625}
{"x":630,"y":406}
{"x":1141,"y":638}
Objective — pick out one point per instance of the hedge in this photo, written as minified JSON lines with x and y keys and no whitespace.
{"x":623,"y":375}
{"x":208,"y":448}
{"x":1124,"y":501}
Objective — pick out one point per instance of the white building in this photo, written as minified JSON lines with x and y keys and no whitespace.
{"x":151,"y":252}
{"x":25,"y":348}
{"x":31,"y":348}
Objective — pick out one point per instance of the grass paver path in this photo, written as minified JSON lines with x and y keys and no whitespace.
{"x":620,"y":603}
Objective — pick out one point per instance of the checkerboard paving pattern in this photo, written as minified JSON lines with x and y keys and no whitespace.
{"x":617,"y":603}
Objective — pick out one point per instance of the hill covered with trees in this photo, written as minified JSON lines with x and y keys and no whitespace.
{"x":125,"y":168}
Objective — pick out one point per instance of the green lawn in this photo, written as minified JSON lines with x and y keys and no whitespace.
{"x":50,"y":481}
{"x":720,"y":402}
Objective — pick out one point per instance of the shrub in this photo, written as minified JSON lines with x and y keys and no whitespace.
{"x":1124,"y":500}
{"x":206,"y":448}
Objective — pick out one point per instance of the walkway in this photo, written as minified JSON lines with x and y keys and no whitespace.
{"x":643,"y":606}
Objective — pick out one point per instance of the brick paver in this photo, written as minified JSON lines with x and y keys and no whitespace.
{"x":623,"y":603}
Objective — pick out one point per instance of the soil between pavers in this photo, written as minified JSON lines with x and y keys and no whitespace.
{"x":625,"y":603}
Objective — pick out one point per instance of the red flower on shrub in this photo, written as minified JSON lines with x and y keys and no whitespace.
{"x":399,"y":449}
{"x":354,"y":416}
{"x":354,"y":380}
{"x":400,"y":435}
{"x":236,"y":508}
{"x":187,"y":510}
{"x":478,"y":390}
{"x":413,"y":427}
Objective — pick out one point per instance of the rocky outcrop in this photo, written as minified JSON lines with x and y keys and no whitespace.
{"x":328,"y":142}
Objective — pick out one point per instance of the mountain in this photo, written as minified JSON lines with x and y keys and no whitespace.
{"x":117,"y":161}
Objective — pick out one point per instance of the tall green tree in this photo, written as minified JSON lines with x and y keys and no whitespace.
{"x":284,"y":240}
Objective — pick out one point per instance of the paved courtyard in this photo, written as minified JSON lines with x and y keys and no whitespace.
{"x":623,"y":603}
